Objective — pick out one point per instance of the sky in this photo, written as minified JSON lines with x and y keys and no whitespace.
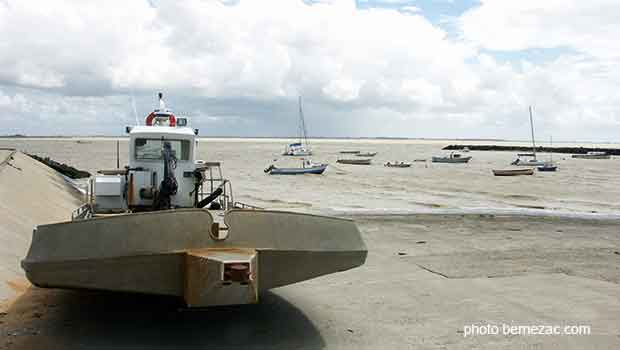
{"x":365,"y":68}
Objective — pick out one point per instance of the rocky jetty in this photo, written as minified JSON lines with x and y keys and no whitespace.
{"x":568,"y":150}
{"x":62,"y":168}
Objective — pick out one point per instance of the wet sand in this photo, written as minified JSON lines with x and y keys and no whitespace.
{"x":426,"y":277}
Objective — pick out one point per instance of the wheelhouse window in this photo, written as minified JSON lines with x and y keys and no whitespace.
{"x":151,"y":149}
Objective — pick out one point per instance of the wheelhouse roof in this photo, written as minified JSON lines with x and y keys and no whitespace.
{"x":162,"y":131}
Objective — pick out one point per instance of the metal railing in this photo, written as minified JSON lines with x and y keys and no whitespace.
{"x":84,"y":211}
{"x":226,"y":200}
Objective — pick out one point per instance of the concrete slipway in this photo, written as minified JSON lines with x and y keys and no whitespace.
{"x":426,"y":277}
{"x":30,"y":194}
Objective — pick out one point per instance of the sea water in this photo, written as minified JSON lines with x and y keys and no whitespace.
{"x":579,"y":187}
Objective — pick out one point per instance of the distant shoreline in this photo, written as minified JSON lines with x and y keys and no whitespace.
{"x":19,"y":136}
{"x":286,"y":138}
{"x":568,"y":150}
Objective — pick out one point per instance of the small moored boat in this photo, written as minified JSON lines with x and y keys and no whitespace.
{"x":528,"y":162}
{"x":547,"y":167}
{"x":513,"y":172}
{"x":307,"y":168}
{"x":349,"y":152}
{"x":367,"y":154}
{"x":397,"y":165}
{"x":452,"y":158}
{"x":354,"y":161}
{"x":592,"y":155}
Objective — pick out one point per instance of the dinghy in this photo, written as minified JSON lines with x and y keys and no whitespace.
{"x":354,"y":161}
{"x":368,"y":154}
{"x":397,"y":165}
{"x":513,"y":172}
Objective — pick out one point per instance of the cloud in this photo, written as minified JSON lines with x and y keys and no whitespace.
{"x":237,"y":67}
{"x":585,"y":26}
{"x":411,"y":9}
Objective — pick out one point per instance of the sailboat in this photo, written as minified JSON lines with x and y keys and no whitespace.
{"x":549,"y":166}
{"x":531,"y":161}
{"x":301,"y":148}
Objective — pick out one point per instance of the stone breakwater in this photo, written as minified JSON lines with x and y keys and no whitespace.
{"x":62,"y":168}
{"x":568,"y":150}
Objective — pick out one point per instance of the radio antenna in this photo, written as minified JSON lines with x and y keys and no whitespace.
{"x":135,"y":112}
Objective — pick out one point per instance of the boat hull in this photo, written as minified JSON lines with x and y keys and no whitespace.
{"x":528,"y":163}
{"x":182,"y":253}
{"x":297,"y":153}
{"x":458,"y":160}
{"x":547,"y":168}
{"x":513,"y":172}
{"x":354,"y":161}
{"x":397,"y":165}
{"x":299,"y":171}
{"x":591,"y":156}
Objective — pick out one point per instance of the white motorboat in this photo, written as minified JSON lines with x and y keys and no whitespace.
{"x":167,"y":224}
{"x":452,"y":158}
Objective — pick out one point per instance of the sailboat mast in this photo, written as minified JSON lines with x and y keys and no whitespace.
{"x":303,"y":132}
{"x":532,"y":128}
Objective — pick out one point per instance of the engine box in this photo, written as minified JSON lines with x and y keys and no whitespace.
{"x":109,"y":193}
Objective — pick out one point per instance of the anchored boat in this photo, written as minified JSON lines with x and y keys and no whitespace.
{"x":307,"y":168}
{"x":367,"y":154}
{"x":452,"y":158}
{"x":354,"y":161}
{"x":300,"y":148}
{"x":549,"y":166}
{"x":513,"y":172}
{"x":168,"y":224}
{"x":529,"y":159}
{"x":397,"y":165}
{"x":592,"y":155}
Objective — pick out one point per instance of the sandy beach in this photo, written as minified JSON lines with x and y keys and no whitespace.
{"x":426,"y":278}
{"x":310,"y":174}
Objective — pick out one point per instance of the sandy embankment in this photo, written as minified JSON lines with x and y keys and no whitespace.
{"x":426,"y":277}
{"x":30,"y":194}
